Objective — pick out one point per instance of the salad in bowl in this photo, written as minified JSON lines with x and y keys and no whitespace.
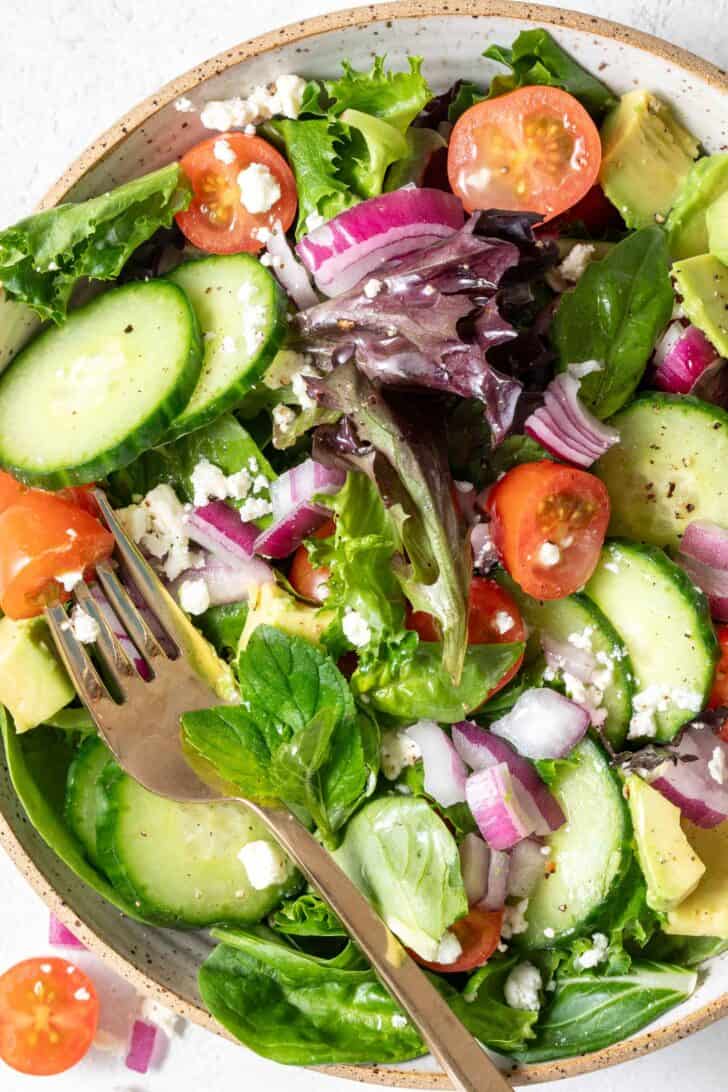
{"x":417,"y":403}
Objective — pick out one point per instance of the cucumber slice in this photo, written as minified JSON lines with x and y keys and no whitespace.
{"x":664,"y":621}
{"x":242,"y":312}
{"x":591,"y":852}
{"x":85,"y":398}
{"x":82,"y":792}
{"x":578,"y":617}
{"x":178,"y":863}
{"x":667,"y":469}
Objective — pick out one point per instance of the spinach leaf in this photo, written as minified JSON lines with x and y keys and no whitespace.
{"x":483,"y":1010}
{"x":394,"y":97}
{"x":297,"y":736}
{"x":615,"y":315}
{"x":687,"y":951}
{"x":307,"y":916}
{"x":43,"y":257}
{"x":408,"y":463}
{"x":222,"y":626}
{"x":459,"y":816}
{"x":401,"y":855}
{"x":420,"y":687}
{"x":536,"y":58}
{"x":299,"y":1009}
{"x":38,"y":764}
{"x":313,"y":148}
{"x":512,"y":452}
{"x":587,"y":1012}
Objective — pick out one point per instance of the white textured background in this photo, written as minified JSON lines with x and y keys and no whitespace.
{"x":68,"y":69}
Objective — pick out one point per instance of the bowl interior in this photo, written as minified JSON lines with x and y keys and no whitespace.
{"x":164,"y":961}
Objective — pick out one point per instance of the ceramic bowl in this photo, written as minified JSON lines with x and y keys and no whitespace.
{"x":451,"y":36}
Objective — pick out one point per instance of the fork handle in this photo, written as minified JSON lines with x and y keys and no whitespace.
{"x":463,"y":1059}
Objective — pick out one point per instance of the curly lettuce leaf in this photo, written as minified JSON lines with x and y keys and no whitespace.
{"x":314,"y":148}
{"x":394,"y":97}
{"x":374,"y":146}
{"x":43,"y":257}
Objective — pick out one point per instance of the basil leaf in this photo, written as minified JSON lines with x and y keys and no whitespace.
{"x":401,"y":855}
{"x":420,"y":687}
{"x":43,"y":257}
{"x":615,"y":315}
{"x":588,"y":1012}
{"x":536,"y":58}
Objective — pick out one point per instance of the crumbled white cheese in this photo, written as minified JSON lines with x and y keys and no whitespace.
{"x":259,"y":188}
{"x":184,"y":105}
{"x":583,"y":639}
{"x":298,"y":385}
{"x":70,"y":579}
{"x":194,"y":595}
{"x":221,"y":150}
{"x":260,"y":483}
{"x":450,"y":949}
{"x":646,"y":704}
{"x":399,"y":1021}
{"x":522,"y":987}
{"x":594,"y":955}
{"x":264,"y":863}
{"x":162,"y":526}
{"x":549,"y":555}
{"x":514,"y":919}
{"x":356,"y":628}
{"x":396,"y":751}
{"x":238,"y":484}
{"x":255,"y":508}
{"x":372,"y":288}
{"x":284,"y":418}
{"x":289,"y":91}
{"x":584,"y":367}
{"x":314,"y":220}
{"x":576,"y":261}
{"x":158,"y":1014}
{"x":208,"y":483}
{"x":502,"y":622}
{"x":717,"y":765}
{"x":83,"y":627}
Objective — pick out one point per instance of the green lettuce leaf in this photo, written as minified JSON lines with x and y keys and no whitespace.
{"x":43,"y":257}
{"x":483,"y":1009}
{"x":307,"y":916}
{"x":401,"y":855}
{"x":395,"y":97}
{"x":314,"y":147}
{"x":536,"y":58}
{"x":297,"y":737}
{"x":373,"y":146}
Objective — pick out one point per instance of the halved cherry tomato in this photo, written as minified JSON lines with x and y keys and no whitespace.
{"x":49,"y":1012}
{"x":82,"y":495}
{"x":42,"y":536}
{"x":10,"y":490}
{"x":217,"y":220}
{"x":493,"y":619}
{"x":719,"y":693}
{"x":549,"y":523}
{"x":535,"y":150}
{"x":478,"y":932}
{"x":307,"y":581}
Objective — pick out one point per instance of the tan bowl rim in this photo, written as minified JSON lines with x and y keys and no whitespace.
{"x":98,"y":151}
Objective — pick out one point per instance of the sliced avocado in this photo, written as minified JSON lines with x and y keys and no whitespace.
{"x":716,"y":219}
{"x":671,"y":868}
{"x":687,"y":227}
{"x":646,"y":157}
{"x":202,"y":655}
{"x":271,"y":605}
{"x":703,"y":284}
{"x":33,"y":682}
{"x":705,"y":912}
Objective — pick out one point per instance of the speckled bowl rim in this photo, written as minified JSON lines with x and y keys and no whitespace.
{"x":93,"y":155}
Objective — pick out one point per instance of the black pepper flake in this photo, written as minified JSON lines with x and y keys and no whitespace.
{"x":128,"y":329}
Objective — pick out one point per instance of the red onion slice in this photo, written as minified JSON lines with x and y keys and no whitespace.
{"x":681,"y":356}
{"x":485,"y":552}
{"x":141,"y":1046}
{"x":218,"y":528}
{"x":501,"y":812}
{"x":296,"y":517}
{"x":526,"y":868}
{"x":563,"y":656}
{"x":704,"y":557}
{"x":227,"y":583}
{"x":543,"y":724}
{"x":474,"y":864}
{"x":445,"y":772}
{"x":352,"y":245}
{"x":114,"y":624}
{"x":698,"y":782}
{"x":291,"y":274}
{"x":480,"y":749}
{"x":61,"y":937}
{"x":566,"y":428}
{"x":498,"y":872}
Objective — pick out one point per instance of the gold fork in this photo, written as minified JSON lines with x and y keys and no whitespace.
{"x":142,"y":730}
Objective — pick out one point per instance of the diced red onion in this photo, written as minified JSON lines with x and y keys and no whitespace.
{"x":526,"y":868}
{"x":227,"y":583}
{"x":566,"y":428}
{"x":120,"y":633}
{"x":289,"y":271}
{"x":352,"y":245}
{"x":218,"y":528}
{"x":704,"y":557}
{"x":141,"y":1046}
{"x":498,"y":872}
{"x":295,"y":515}
{"x":60,"y":936}
{"x":500,"y":810}
{"x":689,"y":783}
{"x":543,"y":724}
{"x":445,"y":772}
{"x":480,"y":749}
{"x":681,"y":356}
{"x":712,"y":384}
{"x":474,"y":864}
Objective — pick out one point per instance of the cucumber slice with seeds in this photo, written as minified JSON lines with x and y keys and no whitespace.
{"x":85,"y":398}
{"x":242,"y":312}
{"x":82,"y":788}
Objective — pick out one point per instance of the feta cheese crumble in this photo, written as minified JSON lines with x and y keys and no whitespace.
{"x":653,"y":700}
{"x":514,"y":919}
{"x":502,"y":622}
{"x":397,"y":750}
{"x":549,"y":555}
{"x":576,"y":261}
{"x":285,"y":97}
{"x":259,"y":189}
{"x":208,"y":483}
{"x":595,"y":955}
{"x":83,"y":627}
{"x":717,"y":765}
{"x":194,"y":595}
{"x":356,"y":628}
{"x":450,"y":949}
{"x":222,"y":151}
{"x":372,"y":288}
{"x":584,"y":367}
{"x":183,"y":105}
{"x":521,"y":989}
{"x":70,"y":579}
{"x":399,"y":1021}
{"x":264,"y":863}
